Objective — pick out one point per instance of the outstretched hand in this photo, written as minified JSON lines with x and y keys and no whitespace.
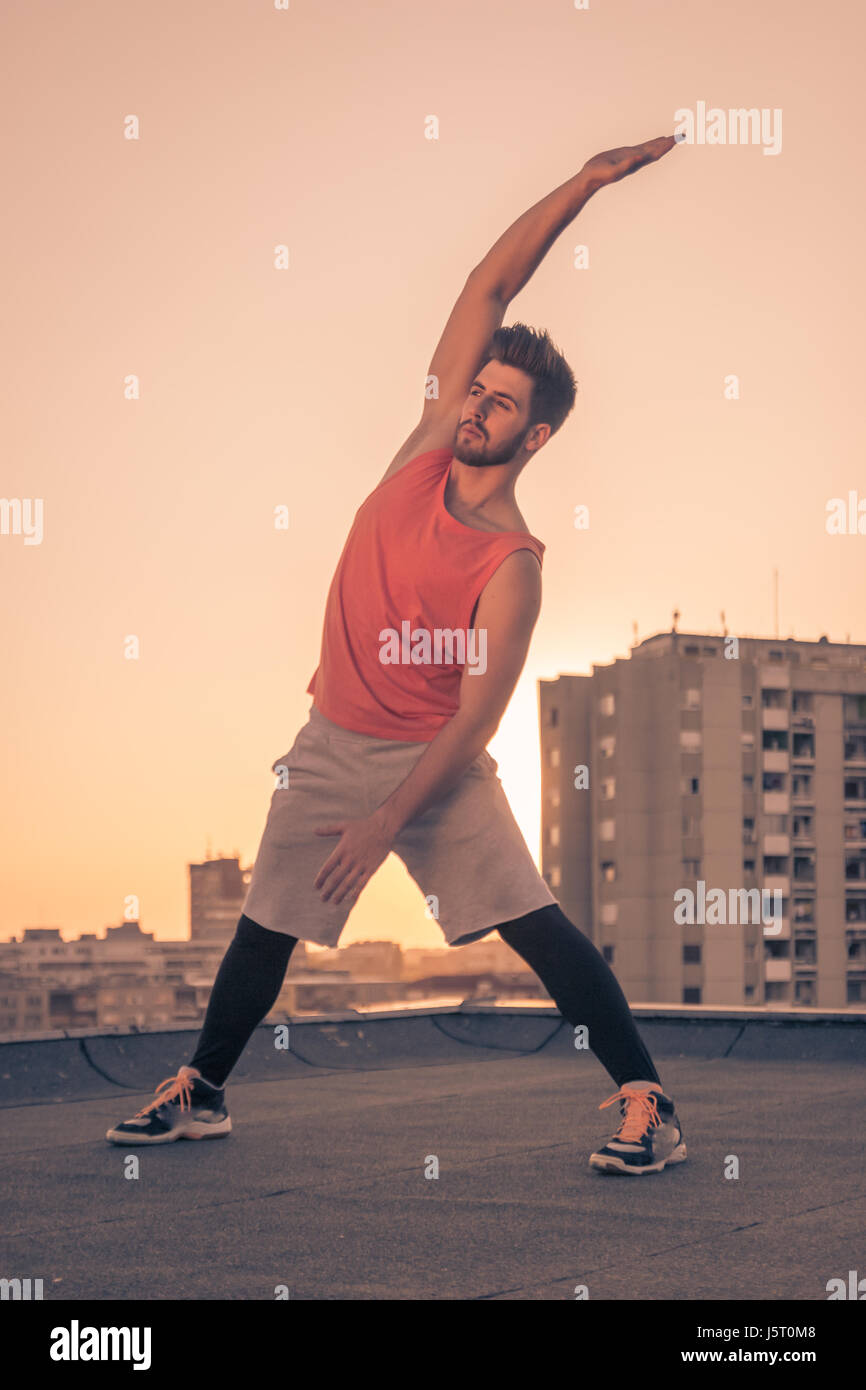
{"x":612,"y":165}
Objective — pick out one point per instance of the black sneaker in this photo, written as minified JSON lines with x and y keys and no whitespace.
{"x":649,"y":1136}
{"x":191,"y":1108}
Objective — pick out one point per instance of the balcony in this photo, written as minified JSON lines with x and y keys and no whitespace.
{"x":777,"y":883}
{"x":776,"y":971}
{"x":769,"y":929}
{"x":776,"y":803}
{"x":777,"y":844}
{"x":776,"y":760}
{"x":774,"y":718}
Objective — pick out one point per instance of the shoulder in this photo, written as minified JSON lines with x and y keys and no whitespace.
{"x":515,"y":584}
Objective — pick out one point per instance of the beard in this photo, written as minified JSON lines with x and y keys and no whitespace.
{"x":476,"y":452}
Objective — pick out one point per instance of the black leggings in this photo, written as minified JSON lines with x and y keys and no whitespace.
{"x":574,"y":973}
{"x":576,"y":976}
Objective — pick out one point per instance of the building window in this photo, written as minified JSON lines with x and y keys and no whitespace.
{"x":607,"y":829}
{"x":690,"y":739}
{"x":555,"y":876}
{"x":608,"y":789}
{"x":691,"y":955}
{"x":554,"y":834}
{"x":691,"y":868}
{"x":775,"y":740}
{"x":690,"y":698}
{"x":608,"y":870}
{"x":748,"y":782}
{"x":607,"y":746}
{"x":747,"y":702}
{"x":774,"y":699}
{"x":553,"y":717}
{"x":692,"y":994}
{"x":554,"y":757}
{"x":606,"y":705}
{"x":775,"y":992}
{"x":775,"y":781}
{"x":607,"y":953}
{"x":554,"y":796}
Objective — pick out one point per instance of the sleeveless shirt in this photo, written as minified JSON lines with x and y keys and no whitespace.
{"x":408,"y":568}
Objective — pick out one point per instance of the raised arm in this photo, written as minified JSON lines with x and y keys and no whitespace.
{"x":494,"y":282}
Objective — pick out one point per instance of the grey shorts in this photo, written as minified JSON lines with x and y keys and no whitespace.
{"x":466,"y":852}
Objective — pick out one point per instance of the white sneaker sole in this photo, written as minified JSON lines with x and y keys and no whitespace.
{"x":197,"y":1129}
{"x":606,"y":1163}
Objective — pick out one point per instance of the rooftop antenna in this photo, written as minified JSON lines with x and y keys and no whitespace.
{"x":676,"y":618}
{"x":724,"y":625}
{"x":634,"y":633}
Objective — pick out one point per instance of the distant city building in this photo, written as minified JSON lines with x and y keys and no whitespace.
{"x":381,"y":958}
{"x":217,"y":889}
{"x":728,"y":767}
{"x":123,"y":979}
{"x":490,"y":955}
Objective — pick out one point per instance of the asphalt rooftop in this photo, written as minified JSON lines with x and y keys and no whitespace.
{"x":442,"y":1155}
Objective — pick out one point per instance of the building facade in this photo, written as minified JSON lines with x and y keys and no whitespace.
{"x":706,"y":763}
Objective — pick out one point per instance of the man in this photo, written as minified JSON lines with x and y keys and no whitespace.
{"x":427,"y":627}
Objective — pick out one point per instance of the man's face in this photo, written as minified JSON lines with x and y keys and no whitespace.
{"x":493,"y":423}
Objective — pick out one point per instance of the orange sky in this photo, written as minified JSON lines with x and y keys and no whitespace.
{"x":261,"y":387}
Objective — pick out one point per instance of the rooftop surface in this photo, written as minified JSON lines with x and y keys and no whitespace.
{"x":321,"y":1186}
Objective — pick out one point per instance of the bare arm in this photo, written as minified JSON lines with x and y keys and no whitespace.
{"x":507,"y":613}
{"x":493,"y":283}
{"x":513,"y":259}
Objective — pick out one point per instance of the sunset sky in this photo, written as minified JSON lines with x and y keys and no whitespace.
{"x":261,"y":387}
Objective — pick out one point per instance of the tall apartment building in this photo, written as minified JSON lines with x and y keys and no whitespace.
{"x":740,"y":763}
{"x":217,"y":889}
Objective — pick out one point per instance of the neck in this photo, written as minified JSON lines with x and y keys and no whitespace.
{"x":483,"y":489}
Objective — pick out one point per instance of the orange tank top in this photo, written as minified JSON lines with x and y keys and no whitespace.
{"x":409,"y":575}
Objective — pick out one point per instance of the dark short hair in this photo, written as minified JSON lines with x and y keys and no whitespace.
{"x":554,"y":388}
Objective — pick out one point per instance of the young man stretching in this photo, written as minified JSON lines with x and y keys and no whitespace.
{"x":427,"y":626}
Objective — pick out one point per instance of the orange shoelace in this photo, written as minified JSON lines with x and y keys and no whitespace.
{"x":180,"y":1085}
{"x":641,"y":1112}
